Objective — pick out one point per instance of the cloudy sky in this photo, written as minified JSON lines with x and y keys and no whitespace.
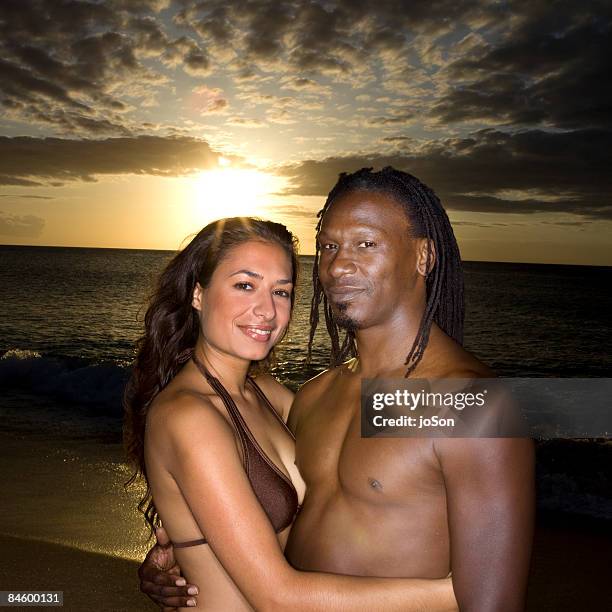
{"x":132,"y":123}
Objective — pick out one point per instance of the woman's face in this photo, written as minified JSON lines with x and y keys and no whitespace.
{"x":245,"y":309}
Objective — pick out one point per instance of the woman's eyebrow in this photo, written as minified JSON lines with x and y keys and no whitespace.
{"x":248,"y":273}
{"x":281,"y":281}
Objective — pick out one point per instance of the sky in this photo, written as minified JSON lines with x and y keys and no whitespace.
{"x":133,"y":123}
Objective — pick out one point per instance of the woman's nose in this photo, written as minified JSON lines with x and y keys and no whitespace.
{"x":264,"y":306}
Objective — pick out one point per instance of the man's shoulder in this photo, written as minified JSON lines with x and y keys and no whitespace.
{"x":309,"y":393}
{"x":322,"y":381}
{"x":467,"y":365}
{"x":317,"y":382}
{"x":449,"y":359}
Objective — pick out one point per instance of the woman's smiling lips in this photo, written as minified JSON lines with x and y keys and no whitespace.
{"x":259,"y":333}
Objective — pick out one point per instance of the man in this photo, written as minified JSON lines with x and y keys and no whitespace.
{"x":388,"y":272}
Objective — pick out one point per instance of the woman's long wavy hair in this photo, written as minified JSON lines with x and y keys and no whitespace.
{"x":172,"y":326}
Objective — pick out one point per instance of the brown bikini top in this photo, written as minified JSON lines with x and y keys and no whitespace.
{"x":273,"y":489}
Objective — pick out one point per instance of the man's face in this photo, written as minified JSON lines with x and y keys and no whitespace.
{"x":368,"y":261}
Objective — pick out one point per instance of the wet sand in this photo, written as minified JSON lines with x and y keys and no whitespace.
{"x":570,"y":568}
{"x":90,"y":581}
{"x":67,"y":524}
{"x":570,"y":572}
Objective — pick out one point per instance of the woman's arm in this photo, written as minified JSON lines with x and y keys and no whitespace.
{"x":212,"y":479}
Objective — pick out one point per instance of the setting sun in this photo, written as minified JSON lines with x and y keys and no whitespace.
{"x":232,"y":192}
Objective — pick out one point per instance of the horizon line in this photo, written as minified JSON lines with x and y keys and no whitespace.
{"x":56,"y":246}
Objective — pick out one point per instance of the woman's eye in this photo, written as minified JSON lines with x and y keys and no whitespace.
{"x":367,"y":244}
{"x":244,"y":286}
{"x":283,"y":293}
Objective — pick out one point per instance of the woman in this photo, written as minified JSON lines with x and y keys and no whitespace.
{"x":211,"y":441}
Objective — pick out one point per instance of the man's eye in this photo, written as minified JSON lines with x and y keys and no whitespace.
{"x":328,"y":246}
{"x":367,"y":244}
{"x":244,"y":286}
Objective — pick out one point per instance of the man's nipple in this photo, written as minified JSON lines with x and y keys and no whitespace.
{"x":375,"y":484}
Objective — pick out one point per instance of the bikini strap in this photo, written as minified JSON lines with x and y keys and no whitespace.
{"x":262,"y":396}
{"x":231,"y":407}
{"x":189,"y":543}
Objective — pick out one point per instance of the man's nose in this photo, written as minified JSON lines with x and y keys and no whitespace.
{"x":264,"y":306}
{"x":342,"y":264}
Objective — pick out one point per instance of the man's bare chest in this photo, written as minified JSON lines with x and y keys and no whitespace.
{"x":330,"y":452}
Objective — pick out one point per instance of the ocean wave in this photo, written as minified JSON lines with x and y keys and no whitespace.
{"x":572,"y":475}
{"x":69,"y":380}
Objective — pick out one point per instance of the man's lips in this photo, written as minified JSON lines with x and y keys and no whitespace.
{"x":259,"y":333}
{"x":343,"y":293}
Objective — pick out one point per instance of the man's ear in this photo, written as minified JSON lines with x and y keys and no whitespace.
{"x":198,"y":295}
{"x":424,"y":246}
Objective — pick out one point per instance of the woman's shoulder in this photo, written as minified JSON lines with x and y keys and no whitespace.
{"x":180,"y":409}
{"x":279,"y":396}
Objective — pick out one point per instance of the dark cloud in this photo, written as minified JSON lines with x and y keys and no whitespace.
{"x":392,"y":120}
{"x":149,"y":36}
{"x":23,"y":84}
{"x":28,"y":161}
{"x":319,"y":38}
{"x":302,"y":83}
{"x":209,"y":20}
{"x":21,"y":226}
{"x":84,"y":69}
{"x":514,"y":64}
{"x":76,"y":66}
{"x":196,"y":62}
{"x":273,"y":18}
{"x":492,"y":171}
{"x":18,"y":182}
{"x":551,"y":68}
{"x":25,"y":196}
{"x":291,"y":211}
{"x":218,"y":106}
{"x":398,"y":140}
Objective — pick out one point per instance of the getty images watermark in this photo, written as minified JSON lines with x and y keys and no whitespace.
{"x":487,"y":407}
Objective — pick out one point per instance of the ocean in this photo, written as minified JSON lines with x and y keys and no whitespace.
{"x":71,"y":316}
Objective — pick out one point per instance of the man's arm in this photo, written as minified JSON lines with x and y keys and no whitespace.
{"x":160,"y":576}
{"x":490,"y":492}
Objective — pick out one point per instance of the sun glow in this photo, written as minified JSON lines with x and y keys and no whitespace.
{"x":232,"y":192}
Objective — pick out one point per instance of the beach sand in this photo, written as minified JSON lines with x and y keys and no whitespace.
{"x":570,"y":568}
{"x":90,"y":581}
{"x":67,"y":523}
{"x":570,"y":572}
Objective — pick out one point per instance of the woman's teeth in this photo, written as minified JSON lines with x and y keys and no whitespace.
{"x":261,"y":335}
